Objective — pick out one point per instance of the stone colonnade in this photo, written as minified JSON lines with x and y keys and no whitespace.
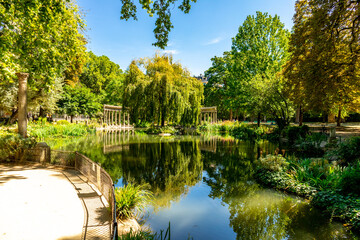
{"x":208,"y":114}
{"x":116,"y":116}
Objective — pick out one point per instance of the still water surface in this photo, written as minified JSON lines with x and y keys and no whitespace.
{"x":204,"y":187}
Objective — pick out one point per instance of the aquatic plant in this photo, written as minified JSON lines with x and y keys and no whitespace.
{"x":131,"y":200}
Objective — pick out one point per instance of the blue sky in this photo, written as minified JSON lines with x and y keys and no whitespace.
{"x":196,"y":37}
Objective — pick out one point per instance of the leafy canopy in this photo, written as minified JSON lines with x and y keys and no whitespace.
{"x":161,"y":8}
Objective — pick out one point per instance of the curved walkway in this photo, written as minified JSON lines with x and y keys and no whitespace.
{"x":48,"y":203}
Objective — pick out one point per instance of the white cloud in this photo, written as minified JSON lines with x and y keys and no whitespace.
{"x":214,"y":41}
{"x":173,"y":52}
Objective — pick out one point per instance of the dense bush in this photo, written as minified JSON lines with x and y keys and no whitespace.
{"x":348,"y":151}
{"x":316,"y":172}
{"x":294,"y":133}
{"x":131,"y":199}
{"x":12,"y":144}
{"x":275,"y":163}
{"x":350,"y":180}
{"x":158,"y":130}
{"x":238,"y":130}
{"x":282,"y":181}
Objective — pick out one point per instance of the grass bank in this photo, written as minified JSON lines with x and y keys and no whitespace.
{"x":62,"y":128}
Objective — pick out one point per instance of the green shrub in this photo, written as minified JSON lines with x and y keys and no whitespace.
{"x":131,"y":199}
{"x":294,"y":133}
{"x":11,"y":144}
{"x":350,"y":181}
{"x":275,"y":163}
{"x":62,"y":122}
{"x":281,"y":180}
{"x":158,"y":130}
{"x":317,"y":172}
{"x":245,"y":132}
{"x":348,"y":151}
{"x":143,"y":124}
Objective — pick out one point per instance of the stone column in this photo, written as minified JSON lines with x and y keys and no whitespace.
{"x":124,"y":118}
{"x":119,"y":118}
{"x":128,"y":119}
{"x":22,"y":103}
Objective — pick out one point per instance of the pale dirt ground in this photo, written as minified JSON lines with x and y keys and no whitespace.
{"x":38,"y":204}
{"x":346,"y":130}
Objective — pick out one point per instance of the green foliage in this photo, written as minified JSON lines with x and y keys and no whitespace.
{"x":100,"y":73}
{"x":165,"y":93}
{"x":275,"y":163}
{"x":43,"y":52}
{"x":79,"y":100}
{"x":344,"y":207}
{"x":40,"y":131}
{"x":317,"y":172}
{"x":62,"y":122}
{"x":348,"y":151}
{"x":350,"y":181}
{"x":12,"y":144}
{"x":295,"y":133}
{"x":247,"y":79}
{"x":281,"y":180}
{"x":131,"y":200}
{"x":162,"y":9}
{"x":158,"y":130}
{"x":241,"y":131}
{"x":323,"y":72}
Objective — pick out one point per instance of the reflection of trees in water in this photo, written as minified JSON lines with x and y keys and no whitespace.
{"x":256,"y":213}
{"x":169,"y":167}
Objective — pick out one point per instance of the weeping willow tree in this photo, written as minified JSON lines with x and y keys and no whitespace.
{"x":165,"y":92}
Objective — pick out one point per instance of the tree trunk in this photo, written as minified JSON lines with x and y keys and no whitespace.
{"x":71,"y":118}
{"x":301,"y":117}
{"x":231,"y":114}
{"x":339,"y":118}
{"x":258,"y":119}
{"x":22,"y":104}
{"x":297,"y":116}
{"x":13,"y":117}
{"x":41,"y":112}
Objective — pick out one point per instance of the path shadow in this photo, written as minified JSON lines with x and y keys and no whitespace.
{"x":103,"y":215}
{"x":4,"y":178}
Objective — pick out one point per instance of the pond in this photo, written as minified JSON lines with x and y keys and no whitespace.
{"x":204,"y":186}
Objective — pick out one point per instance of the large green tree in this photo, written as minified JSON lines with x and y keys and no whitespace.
{"x":165,"y":92}
{"x":220,"y":89}
{"x":38,"y":39}
{"x":260,"y":49}
{"x":323,"y":72}
{"x":79,"y":100}
{"x":248,"y":78}
{"x":161,"y":8}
